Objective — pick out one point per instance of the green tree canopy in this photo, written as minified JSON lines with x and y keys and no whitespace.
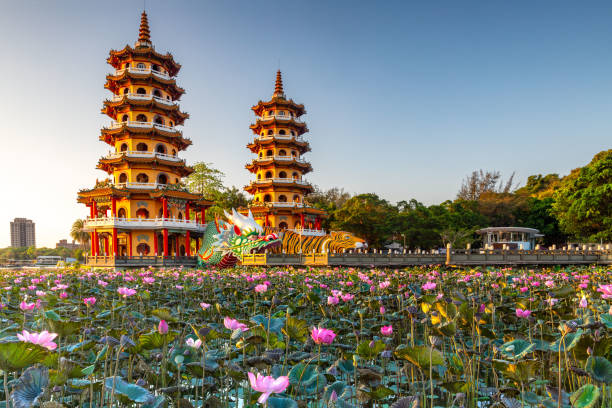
{"x":583,"y":202}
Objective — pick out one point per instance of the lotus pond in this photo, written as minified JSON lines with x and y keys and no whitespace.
{"x":316,"y":337}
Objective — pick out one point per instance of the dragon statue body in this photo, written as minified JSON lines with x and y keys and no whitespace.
{"x":224,"y":242}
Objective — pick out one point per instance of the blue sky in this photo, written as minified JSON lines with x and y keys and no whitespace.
{"x":403,"y":98}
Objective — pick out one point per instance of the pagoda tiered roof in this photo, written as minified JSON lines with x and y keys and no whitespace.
{"x":145,"y":77}
{"x":105,"y":191}
{"x":298,"y":143}
{"x":278,"y":161}
{"x":110,"y":135}
{"x":124,"y":162}
{"x":117,"y":105}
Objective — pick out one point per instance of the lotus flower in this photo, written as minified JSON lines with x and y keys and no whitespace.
{"x":524,"y":314}
{"x":162,"y":328}
{"x":429,"y":286}
{"x":322,"y":336}
{"x":125,"y":292}
{"x":606,"y":291}
{"x":90,"y":301}
{"x":204,"y":305}
{"x":386,"y":330}
{"x":267,"y":385}
{"x":347,"y":297}
{"x":332,"y":300}
{"x":261,"y":288}
{"x":234,"y":324}
{"x":26,"y":307}
{"x":149,"y":280}
{"x":44,"y":338}
{"x":583,"y":302}
{"x":194,"y":344}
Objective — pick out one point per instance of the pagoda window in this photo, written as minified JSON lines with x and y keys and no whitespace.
{"x":282,"y":198}
{"x":282,"y":174}
{"x":171,"y":123}
{"x":123,"y":178}
{"x":142,"y":147}
{"x":292,"y":133}
{"x":126,"y":91}
{"x":141,"y":118}
{"x":167,"y":97}
{"x":176,"y":180}
{"x":159,"y":120}
{"x":174,"y":152}
{"x":268,"y":174}
{"x":141,"y":91}
{"x":282,"y":153}
{"x":267,"y":198}
{"x":142,"y":178}
{"x":259,"y":176}
{"x":293,"y":153}
{"x":282,"y":132}
{"x":270,"y":132}
{"x":260,"y":154}
{"x":156,"y":68}
{"x":140,"y":65}
{"x":269,"y":153}
{"x":282,"y":113}
{"x":180,"y":215}
{"x":123,"y":147}
{"x":295,"y":175}
{"x":125,"y":118}
{"x":157,"y":93}
{"x":160,"y":148}
{"x":283,"y":225}
{"x":162,"y":179}
{"x":121,"y":213}
{"x":296,"y":198}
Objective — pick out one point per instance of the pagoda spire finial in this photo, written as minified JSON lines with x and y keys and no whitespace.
{"x":144,"y":34}
{"x":278,"y":86}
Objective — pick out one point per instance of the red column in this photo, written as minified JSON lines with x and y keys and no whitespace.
{"x":165,"y":207}
{"x":197,"y":245}
{"x":165,"y":234}
{"x":94,"y":209}
{"x":115,"y":249}
{"x":266,"y":222}
{"x":187,"y":244}
{"x":155,"y":244}
{"x":302,"y":220}
{"x":113,"y":207}
{"x":129,"y":243}
{"x":187,"y":211}
{"x":203,"y":214}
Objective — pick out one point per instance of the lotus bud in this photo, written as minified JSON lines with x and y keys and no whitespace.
{"x":162,"y":328}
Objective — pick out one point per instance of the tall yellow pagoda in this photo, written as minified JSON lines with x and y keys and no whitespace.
{"x":279,"y":187}
{"x":143,"y":214}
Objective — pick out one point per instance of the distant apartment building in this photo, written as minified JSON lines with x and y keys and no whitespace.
{"x":63,"y":243}
{"x":23,"y":233}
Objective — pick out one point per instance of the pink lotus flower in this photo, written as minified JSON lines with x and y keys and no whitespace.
{"x":347,"y":297}
{"x":63,"y":295}
{"x":125,"y":292}
{"x":267,"y":385}
{"x":194,"y":344}
{"x":583,"y":303}
{"x":429,"y":286}
{"x":204,"y":305}
{"x":261,"y":288}
{"x":102,"y":283}
{"x":382,"y":310}
{"x":332,"y":300}
{"x":234,"y":324}
{"x":149,"y":280}
{"x":90,"y":301}
{"x":524,"y":314}
{"x":322,"y":336}
{"x":41,"y":293}
{"x":162,"y":328}
{"x":26,"y":307}
{"x":44,"y":339}
{"x":386,"y":330}
{"x":606,"y":291}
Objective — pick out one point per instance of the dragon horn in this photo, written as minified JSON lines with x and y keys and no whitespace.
{"x":217,"y":223}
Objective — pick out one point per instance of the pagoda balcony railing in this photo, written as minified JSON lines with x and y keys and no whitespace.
{"x":143,"y":97}
{"x":280,"y":117}
{"x":143,"y":71}
{"x":142,"y":223}
{"x":135,"y":153}
{"x":284,"y":204}
{"x":280,"y":158}
{"x":146,"y":125}
{"x":140,"y":185}
{"x":282,"y":180}
{"x":280,"y":137}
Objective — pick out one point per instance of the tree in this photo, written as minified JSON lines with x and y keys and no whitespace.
{"x":500,"y":208}
{"x":367,"y":216}
{"x":583,"y":202}
{"x":539,"y":186}
{"x":205,"y":180}
{"x":78,"y":233}
{"x":226,"y":199}
{"x":329,"y":201}
{"x":480,"y":182}
{"x":538,"y":213}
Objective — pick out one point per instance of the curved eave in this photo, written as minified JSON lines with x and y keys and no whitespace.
{"x":108,"y":165}
{"x":113,"y":82}
{"x":112,"y":108}
{"x":117,"y":57}
{"x":302,"y":147}
{"x":266,"y":123}
{"x":278,"y":102}
{"x":251,"y":188}
{"x":109,"y":135}
{"x":186,"y":195}
{"x":254,"y":166}
{"x":85,"y":196}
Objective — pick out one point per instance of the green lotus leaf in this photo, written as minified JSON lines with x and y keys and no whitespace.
{"x":302,"y":373}
{"x":600,"y":369}
{"x":586,"y":396}
{"x":64,"y":328}
{"x":30,"y":387}
{"x":281,"y":402}
{"x":155,"y":340}
{"x":456,"y":386}
{"x":338,"y":387}
{"x":516,"y":349}
{"x":275,"y":325}
{"x":420,"y":355}
{"x":379,"y":393}
{"x":295,"y":329}
{"x":567,"y":343}
{"x":164,"y":314}
{"x":133,"y":392}
{"x":367,"y":352}
{"x":15,"y":355}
